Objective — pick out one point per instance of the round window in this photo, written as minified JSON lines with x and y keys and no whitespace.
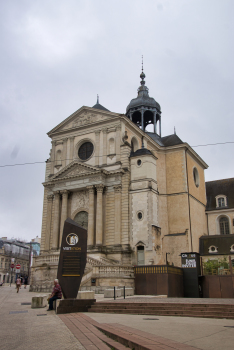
{"x":139,"y":215}
{"x":196,"y":176}
{"x":85,"y":151}
{"x":139,"y":162}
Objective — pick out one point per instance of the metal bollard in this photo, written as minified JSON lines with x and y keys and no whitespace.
{"x":124,"y":292}
{"x":114,"y":293}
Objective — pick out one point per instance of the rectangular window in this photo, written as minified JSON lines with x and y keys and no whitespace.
{"x":221,"y":202}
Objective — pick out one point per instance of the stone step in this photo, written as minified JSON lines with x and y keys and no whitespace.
{"x":143,"y":312}
{"x":163,"y":312}
{"x":159,"y":307}
{"x":166,"y":309}
{"x":124,"y":304}
{"x":160,"y":312}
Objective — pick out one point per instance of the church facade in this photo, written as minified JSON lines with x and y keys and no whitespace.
{"x":141,"y":196}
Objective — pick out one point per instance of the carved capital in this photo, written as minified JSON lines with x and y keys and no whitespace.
{"x":50,"y":197}
{"x":71,"y":138}
{"x":56,"y":193}
{"x":60,"y":142}
{"x":97,"y":133}
{"x":117,"y":188}
{"x":90,"y":189}
{"x":99,"y":188}
{"x":64,"y":192}
{"x":104,"y":130}
{"x":118,"y":127}
{"x":65,"y":139}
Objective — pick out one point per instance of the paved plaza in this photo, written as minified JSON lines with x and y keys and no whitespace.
{"x":22,"y":327}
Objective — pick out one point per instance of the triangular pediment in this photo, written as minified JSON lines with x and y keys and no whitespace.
{"x":75,"y":169}
{"x":82,"y":117}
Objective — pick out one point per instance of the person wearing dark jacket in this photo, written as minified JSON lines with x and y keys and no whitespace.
{"x":56,"y":294}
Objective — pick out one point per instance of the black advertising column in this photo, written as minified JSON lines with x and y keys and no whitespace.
{"x":72,"y":258}
{"x":190,"y":262}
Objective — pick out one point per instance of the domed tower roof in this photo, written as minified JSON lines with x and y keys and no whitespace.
{"x":143,"y":109}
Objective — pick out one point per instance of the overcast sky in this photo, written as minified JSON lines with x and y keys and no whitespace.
{"x":56,"y":56}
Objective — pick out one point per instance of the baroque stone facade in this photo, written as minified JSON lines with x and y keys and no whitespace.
{"x":141,"y":196}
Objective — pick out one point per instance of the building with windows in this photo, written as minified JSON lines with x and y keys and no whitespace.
{"x":220,"y":206}
{"x":140,"y":195}
{"x":13,"y":249}
{"x":36,"y":244}
{"x":219,"y":243}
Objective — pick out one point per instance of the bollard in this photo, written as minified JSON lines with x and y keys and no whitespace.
{"x":114,"y":293}
{"x":124,"y":292}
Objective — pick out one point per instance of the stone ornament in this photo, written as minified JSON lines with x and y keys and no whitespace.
{"x":80,"y":200}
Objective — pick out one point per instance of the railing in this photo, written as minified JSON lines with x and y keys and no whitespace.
{"x":111,"y":270}
{"x":158,"y":269}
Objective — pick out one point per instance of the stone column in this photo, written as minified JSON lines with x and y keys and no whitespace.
{"x":48,"y":221}
{"x":97,"y":136}
{"x":52,"y":158}
{"x":64,"y":156}
{"x":155,"y":123}
{"x":55,"y":239}
{"x":118,"y":189}
{"x":104,"y":158}
{"x":71,"y":149}
{"x":99,"y":219}
{"x":63,"y":213}
{"x":117,"y":150}
{"x":91,"y":216}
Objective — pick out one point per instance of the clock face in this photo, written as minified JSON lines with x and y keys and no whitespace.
{"x":82,"y":219}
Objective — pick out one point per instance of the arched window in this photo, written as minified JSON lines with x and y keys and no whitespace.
{"x":224,"y":226}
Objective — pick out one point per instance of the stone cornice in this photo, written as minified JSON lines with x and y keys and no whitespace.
{"x":220,"y":211}
{"x":91,"y":172}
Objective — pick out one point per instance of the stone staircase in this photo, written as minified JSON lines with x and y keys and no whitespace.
{"x":166,"y":309}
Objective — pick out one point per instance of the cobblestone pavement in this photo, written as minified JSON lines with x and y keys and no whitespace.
{"x":22,"y":328}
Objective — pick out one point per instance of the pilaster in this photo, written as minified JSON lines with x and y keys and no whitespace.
{"x":118,"y":190}
{"x":99,"y":215}
{"x":55,"y":241}
{"x":91,"y":217}
{"x":97,"y":151}
{"x":48,"y":221}
{"x":63,"y":213}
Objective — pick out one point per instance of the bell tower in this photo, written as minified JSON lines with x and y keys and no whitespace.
{"x":144,"y":110}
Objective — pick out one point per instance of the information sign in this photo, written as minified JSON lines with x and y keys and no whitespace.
{"x":72,"y":258}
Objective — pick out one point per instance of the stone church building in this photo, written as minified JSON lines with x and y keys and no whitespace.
{"x":140,"y":195}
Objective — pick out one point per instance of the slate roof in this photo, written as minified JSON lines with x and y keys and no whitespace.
{"x":98,"y":106}
{"x":141,"y":152}
{"x":218,"y":187}
{"x":170,"y":140}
